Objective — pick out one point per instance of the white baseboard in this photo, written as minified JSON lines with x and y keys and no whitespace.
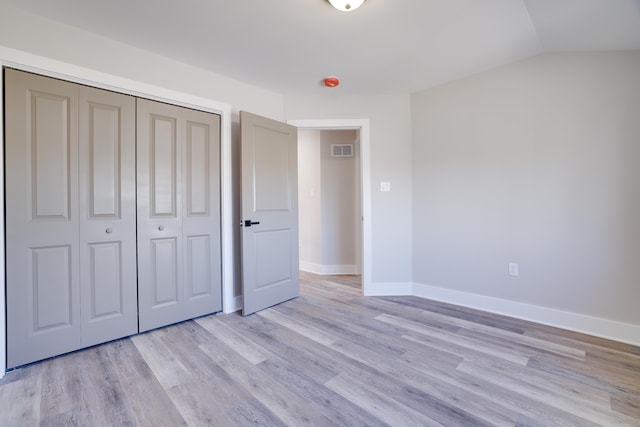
{"x":324,"y":269}
{"x":388,"y":289}
{"x":310,"y":267}
{"x":604,"y":328}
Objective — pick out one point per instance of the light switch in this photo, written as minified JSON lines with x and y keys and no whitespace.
{"x":385,"y":186}
{"x":513,"y":269}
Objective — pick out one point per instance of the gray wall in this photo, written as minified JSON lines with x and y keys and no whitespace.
{"x":339,"y":200}
{"x":537,"y":163}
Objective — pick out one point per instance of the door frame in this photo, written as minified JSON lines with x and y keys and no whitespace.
{"x":73,"y":73}
{"x":361,"y":125}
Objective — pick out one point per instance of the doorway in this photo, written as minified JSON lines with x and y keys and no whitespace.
{"x":329,"y":201}
{"x":341,"y":244}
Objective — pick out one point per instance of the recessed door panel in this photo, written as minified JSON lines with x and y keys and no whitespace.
{"x":104,"y":140}
{"x":272,"y":189}
{"x":273,"y":252}
{"x":163,"y":166}
{"x":198,"y":263}
{"x":50,"y":154}
{"x":51,"y":283}
{"x":42,"y":232}
{"x":164,"y":271}
{"x":105,"y":282}
{"x":198,"y":168}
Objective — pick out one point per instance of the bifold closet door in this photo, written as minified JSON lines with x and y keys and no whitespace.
{"x":70,"y":217}
{"x":107,"y":201}
{"x":42,"y":224}
{"x":179,"y":259}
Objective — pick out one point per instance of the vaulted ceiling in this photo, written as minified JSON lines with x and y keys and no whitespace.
{"x":289,"y":46}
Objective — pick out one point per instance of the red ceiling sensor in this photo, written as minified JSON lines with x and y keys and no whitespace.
{"x":331,"y":81}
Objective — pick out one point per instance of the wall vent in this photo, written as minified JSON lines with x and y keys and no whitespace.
{"x":341,"y":150}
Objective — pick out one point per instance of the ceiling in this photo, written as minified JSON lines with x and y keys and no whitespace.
{"x":289,"y":46}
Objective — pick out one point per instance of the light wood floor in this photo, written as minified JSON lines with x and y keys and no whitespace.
{"x":335,"y":358}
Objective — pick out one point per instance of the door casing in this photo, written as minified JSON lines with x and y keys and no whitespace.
{"x":361,"y":125}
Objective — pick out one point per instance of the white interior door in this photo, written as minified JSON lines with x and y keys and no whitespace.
{"x":179,"y":258}
{"x":269,"y":212}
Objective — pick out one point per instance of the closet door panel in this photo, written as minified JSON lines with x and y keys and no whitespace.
{"x":42,"y":225}
{"x":201,"y":221}
{"x":107,"y":216}
{"x":160,"y":284}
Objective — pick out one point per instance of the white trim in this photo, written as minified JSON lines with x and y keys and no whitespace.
{"x":49,"y":67}
{"x":609,"y":329}
{"x":326,"y":269}
{"x":365,"y":169}
{"x":236,"y":305}
{"x":382,"y":289}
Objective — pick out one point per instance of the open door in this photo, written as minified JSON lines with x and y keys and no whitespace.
{"x":269,"y":152}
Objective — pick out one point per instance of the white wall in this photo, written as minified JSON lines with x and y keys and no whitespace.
{"x":390,"y":150}
{"x":535,"y":163}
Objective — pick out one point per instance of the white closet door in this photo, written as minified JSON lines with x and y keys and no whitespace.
{"x":107,"y":216}
{"x":179,"y":274}
{"x":42,"y":228}
{"x":201,"y":212}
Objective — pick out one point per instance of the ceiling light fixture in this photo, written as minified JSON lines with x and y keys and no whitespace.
{"x":346,"y":5}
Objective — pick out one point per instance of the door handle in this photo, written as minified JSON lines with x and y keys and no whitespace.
{"x":249,"y":223}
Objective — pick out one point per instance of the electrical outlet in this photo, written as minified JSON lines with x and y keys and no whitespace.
{"x":385,"y":186}
{"x":513,"y":269}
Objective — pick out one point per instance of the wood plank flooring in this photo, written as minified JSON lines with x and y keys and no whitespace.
{"x":335,"y":358}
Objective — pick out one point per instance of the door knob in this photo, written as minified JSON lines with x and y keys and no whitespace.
{"x":249,"y":223}
{"x":108,"y":230}
{"x":161,"y":228}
